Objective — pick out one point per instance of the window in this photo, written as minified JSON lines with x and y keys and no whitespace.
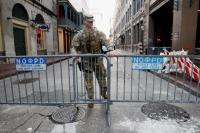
{"x":72,"y":15}
{"x":78,"y":19}
{"x":134,"y":6}
{"x":20,"y":12}
{"x":41,"y":35}
{"x":68,"y":12}
{"x":61,"y":12}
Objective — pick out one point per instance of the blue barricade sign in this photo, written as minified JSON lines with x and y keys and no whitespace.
{"x":147,"y":63}
{"x":30,"y":63}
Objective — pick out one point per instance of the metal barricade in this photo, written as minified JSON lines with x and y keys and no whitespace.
{"x":174,"y":83}
{"x":94,"y":71}
{"x":47,"y":87}
{"x":63,"y":83}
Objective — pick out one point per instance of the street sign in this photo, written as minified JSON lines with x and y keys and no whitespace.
{"x":30,"y":63}
{"x":147,"y":63}
{"x":44,"y":27}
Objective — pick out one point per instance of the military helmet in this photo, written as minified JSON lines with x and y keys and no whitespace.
{"x":88,"y":17}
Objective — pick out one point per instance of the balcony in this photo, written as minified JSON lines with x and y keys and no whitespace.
{"x":68,"y":23}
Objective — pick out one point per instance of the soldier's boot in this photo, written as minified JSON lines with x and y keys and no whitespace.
{"x":105,"y":96}
{"x":104,"y":93}
{"x":90,"y":105}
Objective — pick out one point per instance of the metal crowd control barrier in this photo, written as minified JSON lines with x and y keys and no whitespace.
{"x":91,"y":70}
{"x":63,"y":83}
{"x":47,"y":87}
{"x":174,"y":83}
{"x":60,"y":83}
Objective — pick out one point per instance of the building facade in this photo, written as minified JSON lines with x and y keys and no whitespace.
{"x":186,"y":26}
{"x":70,"y":20}
{"x":175,"y":24}
{"x":28,"y":27}
{"x":129,"y":24}
{"x":161,"y":24}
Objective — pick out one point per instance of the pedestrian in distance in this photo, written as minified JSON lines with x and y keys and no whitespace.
{"x":91,"y":41}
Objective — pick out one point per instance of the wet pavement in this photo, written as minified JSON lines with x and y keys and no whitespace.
{"x":125,"y":118}
{"x":180,"y":80}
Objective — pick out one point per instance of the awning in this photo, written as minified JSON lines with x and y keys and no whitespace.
{"x":158,"y":5}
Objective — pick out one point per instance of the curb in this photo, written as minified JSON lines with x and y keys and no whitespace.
{"x":178,"y":83}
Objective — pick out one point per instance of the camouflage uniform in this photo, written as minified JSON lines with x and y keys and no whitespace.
{"x":80,"y":43}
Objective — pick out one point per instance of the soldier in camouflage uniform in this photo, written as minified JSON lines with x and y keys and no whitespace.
{"x":90,"y":40}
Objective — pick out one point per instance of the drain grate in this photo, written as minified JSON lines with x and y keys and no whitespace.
{"x":68,"y":114}
{"x":162,"y":110}
{"x":26,"y":80}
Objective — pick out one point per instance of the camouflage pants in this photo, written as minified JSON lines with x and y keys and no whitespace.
{"x":94,"y":66}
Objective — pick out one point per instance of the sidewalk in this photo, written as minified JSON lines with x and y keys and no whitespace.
{"x":7,"y":70}
{"x":125,"y":118}
{"x":177,"y":79}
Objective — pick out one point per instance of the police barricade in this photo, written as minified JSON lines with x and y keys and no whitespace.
{"x":57,"y":80}
{"x":91,"y":81}
{"x":35,"y":80}
{"x":54,"y":80}
{"x":154,"y":78}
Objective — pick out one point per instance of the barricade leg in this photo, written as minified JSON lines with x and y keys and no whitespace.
{"x":108,"y":115}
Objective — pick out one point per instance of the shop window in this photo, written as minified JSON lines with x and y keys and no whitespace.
{"x":40,"y":34}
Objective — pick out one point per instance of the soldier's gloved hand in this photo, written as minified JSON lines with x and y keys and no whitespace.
{"x":78,"y":59}
{"x":104,"y":49}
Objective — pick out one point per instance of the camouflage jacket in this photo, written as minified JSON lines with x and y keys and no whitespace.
{"x":89,"y":42}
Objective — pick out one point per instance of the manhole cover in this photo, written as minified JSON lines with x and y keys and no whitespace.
{"x":26,"y":80}
{"x":162,"y":110}
{"x":68,"y":114}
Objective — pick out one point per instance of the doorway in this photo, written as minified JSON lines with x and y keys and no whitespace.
{"x":162,"y":25}
{"x":19,"y":40}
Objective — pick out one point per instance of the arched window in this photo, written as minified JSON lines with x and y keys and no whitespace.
{"x":39,"y":19}
{"x":61,"y":12}
{"x":20,"y":12}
